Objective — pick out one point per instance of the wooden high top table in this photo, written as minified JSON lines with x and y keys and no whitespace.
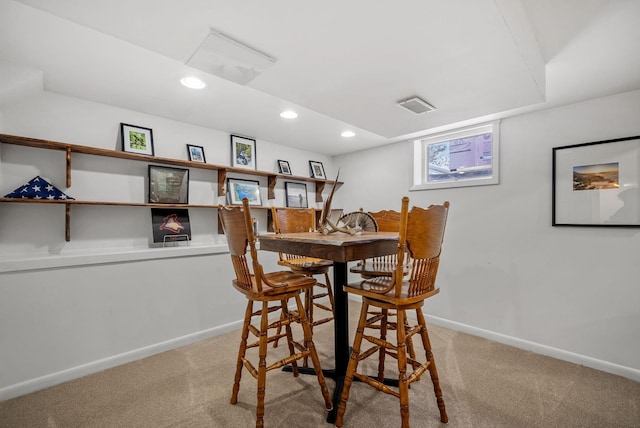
{"x":341,"y":248}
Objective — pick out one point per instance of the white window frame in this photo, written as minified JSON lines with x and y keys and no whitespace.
{"x":421,"y":179}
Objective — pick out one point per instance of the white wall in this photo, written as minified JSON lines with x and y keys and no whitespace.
{"x":505,"y":272}
{"x":105,"y":298}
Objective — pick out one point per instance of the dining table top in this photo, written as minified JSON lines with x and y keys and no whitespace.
{"x":339,"y":246}
{"x":337,"y":238}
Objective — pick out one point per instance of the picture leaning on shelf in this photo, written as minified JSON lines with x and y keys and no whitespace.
{"x":317,"y":170}
{"x":296,"y":195}
{"x":238,"y":189}
{"x":283,"y":167}
{"x":136,"y":139}
{"x":243,"y":152}
{"x":170,"y":225}
{"x":168,"y":185}
{"x":196,"y":153}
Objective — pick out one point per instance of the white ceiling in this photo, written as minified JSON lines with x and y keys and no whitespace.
{"x":340,"y":64}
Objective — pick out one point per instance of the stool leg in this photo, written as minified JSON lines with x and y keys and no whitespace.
{"x":308,"y":342}
{"x":262,"y":365}
{"x":308,"y":306}
{"x":329,"y":289}
{"x":241,"y":352}
{"x":410,"y":347}
{"x":284,"y":316}
{"x":403,"y":386}
{"x":353,"y":364}
{"x":433,"y":371}
{"x":383,"y":337}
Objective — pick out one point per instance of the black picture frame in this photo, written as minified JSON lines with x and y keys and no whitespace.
{"x":196,"y":153}
{"x":296,"y":195}
{"x":170,"y":225}
{"x":243,"y":152}
{"x":168,"y":185}
{"x":136,"y":139}
{"x":597,"y":184}
{"x":237,"y":189}
{"x":283,"y":167}
{"x":317,"y":170}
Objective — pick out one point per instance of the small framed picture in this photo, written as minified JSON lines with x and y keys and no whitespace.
{"x":284,"y":167}
{"x":170,"y":225}
{"x":296,"y":195}
{"x":136,"y":139}
{"x":196,"y":153}
{"x":168,"y":185}
{"x":243,"y":152}
{"x":317,"y":170}
{"x":238,"y":189}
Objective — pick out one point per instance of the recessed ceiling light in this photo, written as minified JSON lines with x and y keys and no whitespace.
{"x":348,"y":134}
{"x":192,"y":82}
{"x":289,"y":114}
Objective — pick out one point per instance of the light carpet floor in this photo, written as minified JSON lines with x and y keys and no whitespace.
{"x":485,"y":384}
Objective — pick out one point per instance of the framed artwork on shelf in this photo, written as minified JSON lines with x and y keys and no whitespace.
{"x":168,"y":185}
{"x":283,"y":167}
{"x":597,"y":184}
{"x":243,"y":152}
{"x":136,"y":139}
{"x":196,"y":153}
{"x":238,"y":189}
{"x":317,"y":170}
{"x":296,"y":194}
{"x":170,"y":225}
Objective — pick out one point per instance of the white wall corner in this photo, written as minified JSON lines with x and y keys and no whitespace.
{"x":18,"y":83}
{"x":525,"y":42}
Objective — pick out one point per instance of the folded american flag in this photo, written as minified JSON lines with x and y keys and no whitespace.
{"x":38,"y":188}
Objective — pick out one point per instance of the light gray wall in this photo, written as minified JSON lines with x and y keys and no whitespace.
{"x":506,"y":273}
{"x":73,"y":308}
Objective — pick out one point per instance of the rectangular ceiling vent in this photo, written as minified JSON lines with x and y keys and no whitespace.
{"x":416,"y":105}
{"x":226,"y":57}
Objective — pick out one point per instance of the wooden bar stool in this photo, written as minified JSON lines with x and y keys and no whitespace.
{"x":261,"y":289}
{"x":420,"y":238}
{"x":296,"y":220}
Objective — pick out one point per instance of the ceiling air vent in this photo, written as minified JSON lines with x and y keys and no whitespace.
{"x":416,"y":105}
{"x":226,"y":57}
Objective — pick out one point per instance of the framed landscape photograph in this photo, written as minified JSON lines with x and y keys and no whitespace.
{"x":136,"y":139}
{"x":243,"y":152}
{"x":296,"y":195}
{"x":170,"y":225}
{"x":196,"y":153}
{"x":597,"y":184}
{"x":168,"y":185}
{"x":238,"y":189}
{"x":317,"y":170}
{"x":283,"y":167}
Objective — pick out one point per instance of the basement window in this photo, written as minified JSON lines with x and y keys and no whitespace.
{"x":457,"y":158}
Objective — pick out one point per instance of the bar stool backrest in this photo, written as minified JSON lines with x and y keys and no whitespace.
{"x":236,"y":223}
{"x":421,"y":236}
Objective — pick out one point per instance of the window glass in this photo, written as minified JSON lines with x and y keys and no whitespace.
{"x":464,"y":157}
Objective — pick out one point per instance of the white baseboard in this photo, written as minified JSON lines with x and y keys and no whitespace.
{"x":52,"y":379}
{"x":538,"y":348}
{"x":116,"y":360}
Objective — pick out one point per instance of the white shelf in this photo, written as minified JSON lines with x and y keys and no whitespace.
{"x":102,"y":256}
